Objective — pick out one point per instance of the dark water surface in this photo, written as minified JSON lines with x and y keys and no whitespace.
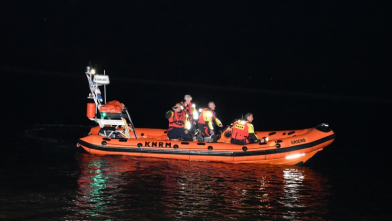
{"x":44,"y":176}
{"x":65,"y":183}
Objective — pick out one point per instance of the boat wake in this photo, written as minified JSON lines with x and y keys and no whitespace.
{"x":59,"y":135}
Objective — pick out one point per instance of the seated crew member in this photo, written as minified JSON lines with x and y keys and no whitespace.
{"x":206,"y":120}
{"x":191,"y":114}
{"x":176,"y":119}
{"x":243,"y":131}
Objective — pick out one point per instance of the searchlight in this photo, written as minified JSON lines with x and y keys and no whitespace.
{"x":195,"y":115}
{"x":188,"y":125}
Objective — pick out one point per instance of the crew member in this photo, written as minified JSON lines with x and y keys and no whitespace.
{"x":206,"y":121}
{"x":176,"y":119}
{"x":191,"y":114}
{"x":243,"y":131}
{"x":187,"y":104}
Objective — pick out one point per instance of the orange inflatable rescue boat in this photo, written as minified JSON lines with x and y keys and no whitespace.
{"x":117,"y":135}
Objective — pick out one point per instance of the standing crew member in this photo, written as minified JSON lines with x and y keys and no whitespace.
{"x":176,"y":119}
{"x":206,"y":120}
{"x":243,"y":131}
{"x":187,"y":104}
{"x":191,"y":114}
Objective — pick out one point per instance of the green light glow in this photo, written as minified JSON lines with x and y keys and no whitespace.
{"x":98,"y":185}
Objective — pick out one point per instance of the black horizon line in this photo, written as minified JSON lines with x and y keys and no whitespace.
{"x":213,"y":87}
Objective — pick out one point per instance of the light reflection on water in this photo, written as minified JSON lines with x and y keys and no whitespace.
{"x":141,"y":188}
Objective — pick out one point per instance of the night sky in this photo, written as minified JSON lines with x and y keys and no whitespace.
{"x":326,"y":47}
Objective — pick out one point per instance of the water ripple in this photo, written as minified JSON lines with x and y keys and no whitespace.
{"x":140,"y":188}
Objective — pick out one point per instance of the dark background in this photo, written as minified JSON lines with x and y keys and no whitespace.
{"x":300,"y":46}
{"x":275,"y":59}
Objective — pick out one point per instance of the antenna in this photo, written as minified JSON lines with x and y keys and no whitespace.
{"x":104,"y":86}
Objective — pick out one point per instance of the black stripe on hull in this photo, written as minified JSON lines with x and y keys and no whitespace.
{"x":206,"y":153}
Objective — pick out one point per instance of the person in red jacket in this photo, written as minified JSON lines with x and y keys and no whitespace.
{"x":243,"y":131}
{"x":176,"y":119}
{"x":187,"y":104}
{"x":206,"y":121}
{"x":191,"y":114}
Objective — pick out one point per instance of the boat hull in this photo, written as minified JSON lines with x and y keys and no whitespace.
{"x":284,"y":147}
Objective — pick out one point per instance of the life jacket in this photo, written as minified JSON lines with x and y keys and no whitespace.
{"x":241,"y":130}
{"x":188,"y":108}
{"x":112,"y":107}
{"x":206,"y":115}
{"x":177,"y":119}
